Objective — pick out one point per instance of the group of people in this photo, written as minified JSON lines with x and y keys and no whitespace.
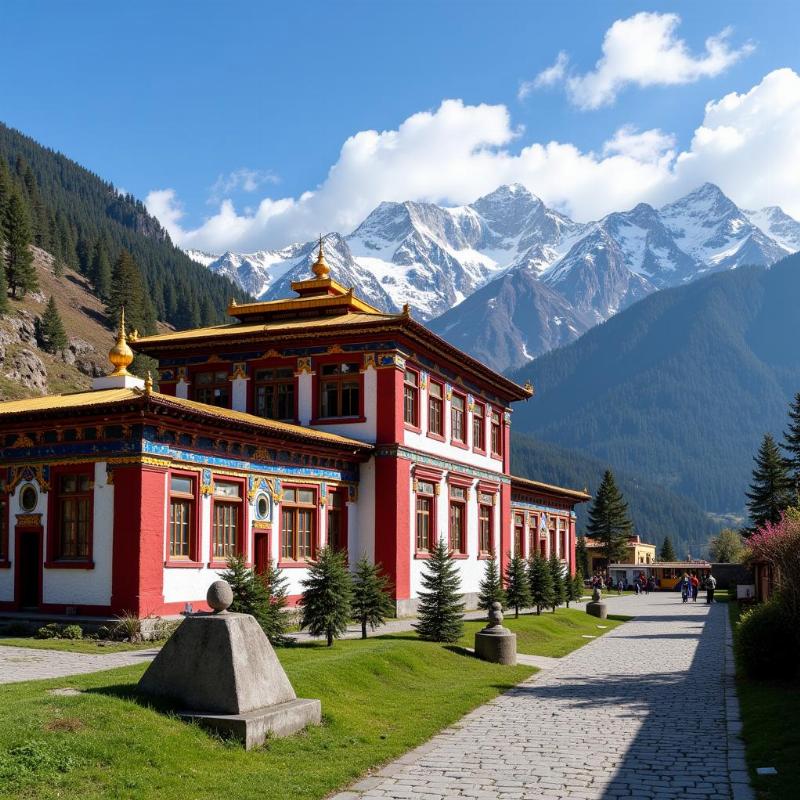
{"x":691,"y":585}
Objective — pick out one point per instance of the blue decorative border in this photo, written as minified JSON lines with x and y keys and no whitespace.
{"x":399,"y":451}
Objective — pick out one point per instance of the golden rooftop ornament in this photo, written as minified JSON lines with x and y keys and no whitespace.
{"x":320,"y":267}
{"x":148,"y":384}
{"x":120,"y":354}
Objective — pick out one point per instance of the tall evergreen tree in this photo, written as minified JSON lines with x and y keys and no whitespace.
{"x":128,"y":291}
{"x":609,"y":522}
{"x":327,"y":596}
{"x":540,"y":580}
{"x":273,"y":617}
{"x":518,"y":588}
{"x":574,"y":587}
{"x":490,"y":589}
{"x":20,"y":271}
{"x":791,"y":444}
{"x":440,"y":613}
{"x":557,"y":574}
{"x":667,"y":550}
{"x":371,"y":601}
{"x":582,"y":555}
{"x":101,"y":271}
{"x":51,"y":334}
{"x":772,"y":489}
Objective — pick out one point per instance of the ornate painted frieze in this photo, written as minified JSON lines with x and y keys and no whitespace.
{"x":27,"y":473}
{"x":400,"y":451}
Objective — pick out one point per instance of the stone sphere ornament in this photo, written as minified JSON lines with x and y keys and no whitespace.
{"x":219,"y":596}
{"x":495,"y":615}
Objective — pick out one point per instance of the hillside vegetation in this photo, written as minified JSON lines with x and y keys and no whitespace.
{"x":680,"y":387}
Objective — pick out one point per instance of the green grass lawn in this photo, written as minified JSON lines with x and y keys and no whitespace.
{"x":550,"y":634}
{"x":770,"y":711}
{"x":380,"y":697}
{"x":75,"y":645}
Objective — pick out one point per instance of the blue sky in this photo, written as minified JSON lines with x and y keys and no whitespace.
{"x":248,"y":101}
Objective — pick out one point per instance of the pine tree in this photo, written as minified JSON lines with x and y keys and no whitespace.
{"x":609,"y":522}
{"x":440,"y":611}
{"x":249,"y":595}
{"x":582,"y":555}
{"x":327,"y":596}
{"x":58,"y":267}
{"x":557,"y":574}
{"x":667,"y":550}
{"x":772,"y":489}
{"x":574,"y":588}
{"x":273,"y":617}
{"x":128,"y":291}
{"x":20,"y":271}
{"x":791,"y":444}
{"x":371,"y":601}
{"x":51,"y":333}
{"x":518,"y":588}
{"x":101,"y":271}
{"x":540,"y":580}
{"x":490,"y":589}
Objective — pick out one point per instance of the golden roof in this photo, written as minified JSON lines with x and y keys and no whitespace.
{"x":527,"y":483}
{"x":106,"y":397}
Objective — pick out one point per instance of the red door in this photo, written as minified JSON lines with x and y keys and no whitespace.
{"x":261,"y":552}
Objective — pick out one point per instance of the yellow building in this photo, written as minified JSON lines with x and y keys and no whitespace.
{"x":637,"y":552}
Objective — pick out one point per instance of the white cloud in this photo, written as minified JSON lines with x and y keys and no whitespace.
{"x":547,"y":77}
{"x":749,"y":144}
{"x":643,"y":50}
{"x":243,"y":179}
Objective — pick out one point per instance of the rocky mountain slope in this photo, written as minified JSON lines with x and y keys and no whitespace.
{"x":507,"y":278}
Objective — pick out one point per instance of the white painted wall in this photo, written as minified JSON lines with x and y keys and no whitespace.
{"x":363,"y":431}
{"x":7,"y":575}
{"x":182,"y":389}
{"x":239,"y":394}
{"x":305,"y":383}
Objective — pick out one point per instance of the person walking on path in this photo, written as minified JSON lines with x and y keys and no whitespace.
{"x":695,"y":587}
{"x":711,"y":585}
{"x":686,"y":588}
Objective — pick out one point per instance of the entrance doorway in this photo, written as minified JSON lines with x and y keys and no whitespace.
{"x":29,"y":558}
{"x":261,"y":548}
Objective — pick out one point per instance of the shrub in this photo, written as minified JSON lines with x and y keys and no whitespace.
{"x":72,"y":632}
{"x":327,"y":596}
{"x":127,"y":628}
{"x":766,"y":642}
{"x":491,"y":587}
{"x":371,"y":601}
{"x":163,"y":628}
{"x":51,"y":631}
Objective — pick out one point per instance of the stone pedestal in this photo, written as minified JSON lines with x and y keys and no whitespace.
{"x":221,"y":671}
{"x":596,"y":607}
{"x":495,"y":643}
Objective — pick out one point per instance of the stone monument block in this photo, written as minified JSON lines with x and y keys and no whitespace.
{"x":596,"y":607}
{"x":495,"y":643}
{"x":220,"y":670}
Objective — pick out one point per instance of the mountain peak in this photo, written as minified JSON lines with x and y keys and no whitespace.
{"x":508,"y":192}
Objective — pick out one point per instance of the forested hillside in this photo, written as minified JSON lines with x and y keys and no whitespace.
{"x":85,"y":223}
{"x":679,"y":388}
{"x":656,"y":512}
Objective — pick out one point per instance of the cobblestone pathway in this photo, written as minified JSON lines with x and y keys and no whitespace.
{"x":646,"y":712}
{"x":30,"y":664}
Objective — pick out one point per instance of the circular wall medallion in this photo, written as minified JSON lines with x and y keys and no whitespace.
{"x":28,"y":497}
{"x":263,"y":507}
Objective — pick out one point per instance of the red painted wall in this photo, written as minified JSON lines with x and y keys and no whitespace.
{"x":392,"y":521}
{"x":137,"y":583}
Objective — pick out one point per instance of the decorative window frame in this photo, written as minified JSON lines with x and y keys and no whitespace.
{"x":316,"y":383}
{"x":243,"y":523}
{"x":193,"y":561}
{"x":53,"y":558}
{"x":316,"y":521}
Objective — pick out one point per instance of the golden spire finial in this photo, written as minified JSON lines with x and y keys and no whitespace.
{"x":120,"y":355}
{"x":320,"y":268}
{"x":148,"y":384}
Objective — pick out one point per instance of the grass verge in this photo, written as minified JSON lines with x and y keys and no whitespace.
{"x":549,"y":634}
{"x":92,"y":646}
{"x":380,"y":697}
{"x":770,"y":710}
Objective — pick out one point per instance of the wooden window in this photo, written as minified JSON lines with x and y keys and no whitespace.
{"x":552,"y":532}
{"x":274,"y":393}
{"x":479,"y":427}
{"x":426,"y":516}
{"x":497,"y":434}
{"x":74,"y":509}
{"x":337,"y":533}
{"x":562,"y":537}
{"x":340,"y":390}
{"x":411,"y":398}
{"x":533,"y":533}
{"x":3,"y":528}
{"x":485,"y":519}
{"x":435,"y":415}
{"x":298,"y":515}
{"x":519,"y":532}
{"x":181,"y":517}
{"x":458,"y":519}
{"x":227,"y":520}
{"x":213,"y":388}
{"x":457,"y":430}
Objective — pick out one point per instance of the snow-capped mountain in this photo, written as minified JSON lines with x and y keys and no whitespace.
{"x":507,"y":278}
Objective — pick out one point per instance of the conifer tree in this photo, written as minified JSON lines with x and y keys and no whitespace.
{"x":273,"y":618}
{"x":609,"y":522}
{"x":128,"y":291}
{"x":371,"y":601}
{"x":58,"y":266}
{"x":440,"y":610}
{"x":574,"y":587}
{"x":250,"y":596}
{"x":540,"y":580}
{"x":490,"y":589}
{"x":582,"y":555}
{"x":792,"y":444}
{"x":518,"y":588}
{"x":52,"y":336}
{"x":772,"y":489}
{"x":667,"y":550}
{"x":327,"y":596}
{"x":101,"y":271}
{"x":557,"y":573}
{"x":20,"y":271}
